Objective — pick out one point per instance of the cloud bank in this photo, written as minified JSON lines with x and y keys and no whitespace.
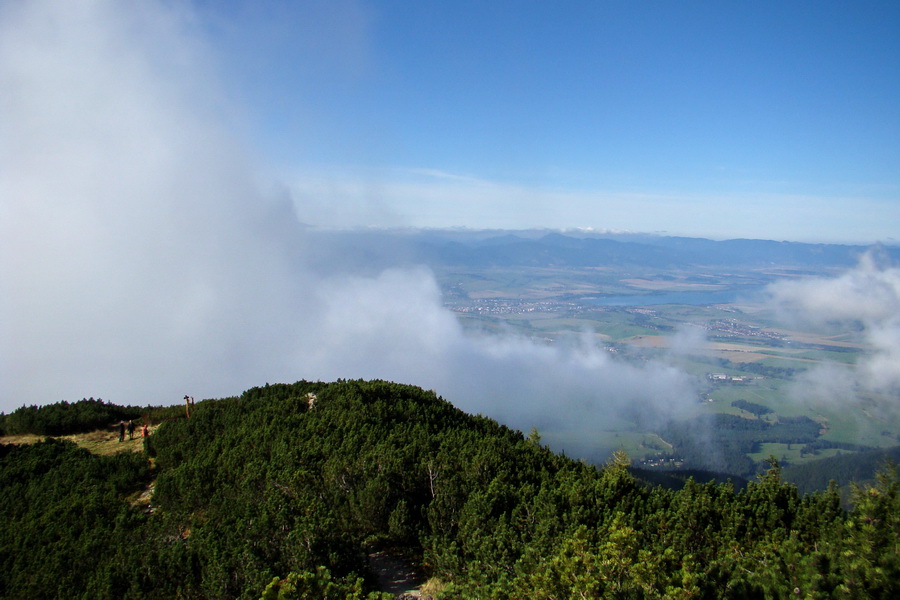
{"x":132,"y":236}
{"x":141,"y":262}
{"x":866,"y":299}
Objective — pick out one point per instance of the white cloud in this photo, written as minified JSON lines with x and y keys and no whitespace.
{"x":689,"y":340}
{"x":865,"y":298}
{"x":393,"y":327}
{"x":141,"y":263}
{"x":129,"y":216}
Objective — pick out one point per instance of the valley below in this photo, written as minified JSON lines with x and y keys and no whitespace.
{"x":755,"y":369}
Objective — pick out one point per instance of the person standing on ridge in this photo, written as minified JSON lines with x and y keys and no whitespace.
{"x":121,"y":431}
{"x":130,"y":429}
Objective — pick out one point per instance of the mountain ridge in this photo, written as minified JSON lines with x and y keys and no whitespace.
{"x":536,"y":248}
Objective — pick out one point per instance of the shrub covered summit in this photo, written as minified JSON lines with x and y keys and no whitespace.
{"x":284,"y":490}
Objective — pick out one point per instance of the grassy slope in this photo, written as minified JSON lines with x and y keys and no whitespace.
{"x":101,"y":442}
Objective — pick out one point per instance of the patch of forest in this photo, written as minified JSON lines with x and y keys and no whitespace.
{"x":752,"y":407}
{"x":858,"y":466}
{"x":283,"y":491}
{"x":88,"y":414}
{"x":675,"y":479}
{"x":721,"y":442}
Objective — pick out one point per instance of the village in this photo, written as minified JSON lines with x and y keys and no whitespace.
{"x":733,"y":327}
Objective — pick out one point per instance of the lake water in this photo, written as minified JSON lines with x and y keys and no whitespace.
{"x":703,"y":298}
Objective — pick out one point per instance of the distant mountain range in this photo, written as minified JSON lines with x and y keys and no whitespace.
{"x":373,"y":249}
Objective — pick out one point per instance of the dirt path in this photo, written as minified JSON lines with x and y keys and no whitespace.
{"x":396,"y":575}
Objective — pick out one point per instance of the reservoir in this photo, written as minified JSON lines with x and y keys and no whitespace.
{"x":700,"y":298}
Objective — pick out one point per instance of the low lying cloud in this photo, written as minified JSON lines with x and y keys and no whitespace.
{"x":865,"y":299}
{"x":394,"y":326}
{"x":689,"y":340}
{"x":141,"y":262}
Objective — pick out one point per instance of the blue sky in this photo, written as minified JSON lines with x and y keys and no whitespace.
{"x":765,"y":119}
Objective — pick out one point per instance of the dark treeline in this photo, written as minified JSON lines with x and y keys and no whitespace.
{"x":65,"y":418}
{"x":752,"y":407}
{"x":858,"y":466}
{"x":817,"y":446}
{"x":281,"y":492}
{"x":721,"y":442}
{"x":755,"y":368}
{"x":675,"y":479}
{"x":765,"y":370}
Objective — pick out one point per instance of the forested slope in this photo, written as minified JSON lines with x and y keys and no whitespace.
{"x":282,"y":491}
{"x":65,"y":418}
{"x":844,"y":469}
{"x":88,"y":414}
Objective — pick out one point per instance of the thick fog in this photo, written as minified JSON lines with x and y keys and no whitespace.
{"x":141,"y":262}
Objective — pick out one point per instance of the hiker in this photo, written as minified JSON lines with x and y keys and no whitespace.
{"x":145,"y":431}
{"x":121,"y":431}
{"x":130,"y":429}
